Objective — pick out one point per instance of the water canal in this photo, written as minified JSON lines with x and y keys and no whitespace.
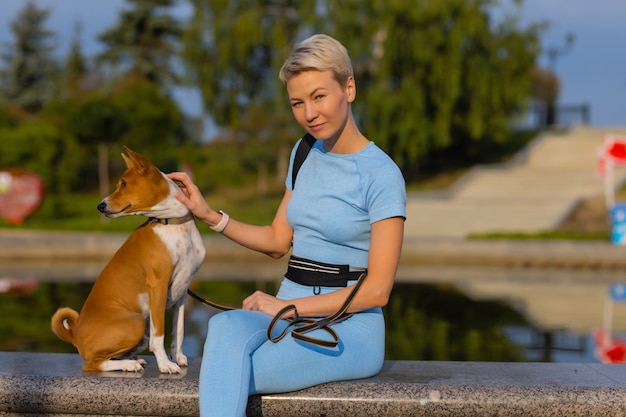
{"x":444,"y":314}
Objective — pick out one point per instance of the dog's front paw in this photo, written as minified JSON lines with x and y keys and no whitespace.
{"x":168,"y":367}
{"x":181,"y":360}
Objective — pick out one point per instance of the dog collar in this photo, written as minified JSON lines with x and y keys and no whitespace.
{"x":174,"y":220}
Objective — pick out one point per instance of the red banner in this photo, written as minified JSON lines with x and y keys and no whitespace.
{"x":21,"y":193}
{"x":612,"y":151}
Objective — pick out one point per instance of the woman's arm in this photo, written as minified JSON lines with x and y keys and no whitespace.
{"x":384,"y":256}
{"x":273,"y":240}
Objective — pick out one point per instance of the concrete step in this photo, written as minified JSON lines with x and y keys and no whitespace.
{"x":532,"y":193}
{"x":483,"y":216}
{"x":532,"y":185}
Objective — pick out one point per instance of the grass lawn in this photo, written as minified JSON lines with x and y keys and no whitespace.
{"x":78,"y":212}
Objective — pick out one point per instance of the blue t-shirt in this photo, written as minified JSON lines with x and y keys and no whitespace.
{"x":336,"y":199}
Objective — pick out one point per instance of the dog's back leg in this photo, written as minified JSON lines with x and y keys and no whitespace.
{"x":132,"y":354}
{"x":108,"y":347}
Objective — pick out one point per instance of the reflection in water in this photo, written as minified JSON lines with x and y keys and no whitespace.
{"x":424,"y":322}
{"x":437,"y":322}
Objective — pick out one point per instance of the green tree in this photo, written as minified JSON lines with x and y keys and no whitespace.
{"x":435,"y":75}
{"x":32,"y":146}
{"x":29,"y":72}
{"x":76,"y":63}
{"x":155,"y":122}
{"x":73,"y":162}
{"x":233,"y":50}
{"x":78,"y":76}
{"x":98,"y":122}
{"x":144,"y":40}
{"x":545,"y":90}
{"x":6,"y":119}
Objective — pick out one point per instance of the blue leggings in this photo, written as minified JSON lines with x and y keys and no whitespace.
{"x":239,"y":360}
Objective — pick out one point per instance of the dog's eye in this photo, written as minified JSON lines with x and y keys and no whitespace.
{"x":122,"y":184}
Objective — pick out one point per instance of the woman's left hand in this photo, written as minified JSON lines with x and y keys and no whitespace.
{"x":260,"y":301}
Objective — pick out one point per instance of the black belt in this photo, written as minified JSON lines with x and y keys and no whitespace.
{"x":317,"y":274}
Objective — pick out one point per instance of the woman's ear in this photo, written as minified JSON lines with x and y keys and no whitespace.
{"x":351,"y":89}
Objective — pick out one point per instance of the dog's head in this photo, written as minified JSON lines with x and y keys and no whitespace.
{"x":138,"y":191}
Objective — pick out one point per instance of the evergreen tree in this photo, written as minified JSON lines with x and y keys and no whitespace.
{"x":142,"y":49}
{"x":27,"y":78}
{"x":144,"y":40}
{"x":79,"y":77}
{"x":76,"y":63}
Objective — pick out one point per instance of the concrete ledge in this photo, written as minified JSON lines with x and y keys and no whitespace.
{"x":38,"y":246}
{"x":54,"y":385}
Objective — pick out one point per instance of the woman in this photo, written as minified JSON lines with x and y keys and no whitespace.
{"x":348,"y":208}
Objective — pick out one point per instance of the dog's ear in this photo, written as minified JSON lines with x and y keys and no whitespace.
{"x":127,"y":161}
{"x":136,"y":161}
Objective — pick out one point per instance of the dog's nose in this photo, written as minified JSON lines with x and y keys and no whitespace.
{"x":102,"y":206}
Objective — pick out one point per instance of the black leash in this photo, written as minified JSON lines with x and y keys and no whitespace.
{"x":208,"y":303}
{"x":301,"y":325}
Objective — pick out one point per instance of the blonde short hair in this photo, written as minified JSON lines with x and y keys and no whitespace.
{"x":318,"y":53}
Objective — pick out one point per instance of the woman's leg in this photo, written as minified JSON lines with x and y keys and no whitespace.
{"x":239,"y":360}
{"x":225,"y":369}
{"x":290,"y":364}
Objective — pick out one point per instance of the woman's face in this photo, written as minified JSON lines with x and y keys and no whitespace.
{"x":320,"y":105}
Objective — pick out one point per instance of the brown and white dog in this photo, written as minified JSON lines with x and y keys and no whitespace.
{"x":150,"y":272}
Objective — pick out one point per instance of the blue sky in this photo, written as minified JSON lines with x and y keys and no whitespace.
{"x":593,"y":70}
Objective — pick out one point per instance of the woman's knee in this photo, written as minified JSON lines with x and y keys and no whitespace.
{"x":238,"y":319}
{"x":235,"y":326}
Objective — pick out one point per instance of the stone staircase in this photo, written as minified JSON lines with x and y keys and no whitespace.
{"x":531,"y":193}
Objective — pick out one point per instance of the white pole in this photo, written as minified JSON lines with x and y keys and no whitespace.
{"x":609,"y":183}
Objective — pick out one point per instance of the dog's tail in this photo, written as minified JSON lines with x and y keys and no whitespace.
{"x":63,"y":322}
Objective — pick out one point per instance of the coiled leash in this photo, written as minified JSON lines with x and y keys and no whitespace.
{"x":301,"y":325}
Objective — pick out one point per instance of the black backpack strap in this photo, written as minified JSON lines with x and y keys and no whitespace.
{"x":301,"y":153}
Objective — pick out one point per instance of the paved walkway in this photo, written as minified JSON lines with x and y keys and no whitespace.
{"x":532,"y":193}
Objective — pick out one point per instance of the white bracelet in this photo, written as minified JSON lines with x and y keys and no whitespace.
{"x":219,"y":228}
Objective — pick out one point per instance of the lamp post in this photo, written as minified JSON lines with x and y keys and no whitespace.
{"x":553,"y":54}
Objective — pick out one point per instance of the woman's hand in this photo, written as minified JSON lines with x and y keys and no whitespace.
{"x":192,"y":198}
{"x":260,"y":301}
